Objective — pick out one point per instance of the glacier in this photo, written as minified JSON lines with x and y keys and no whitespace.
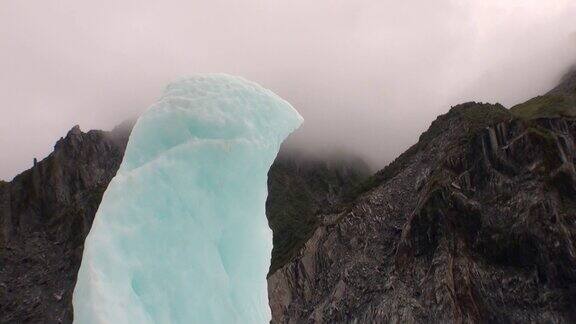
{"x":181,"y":234}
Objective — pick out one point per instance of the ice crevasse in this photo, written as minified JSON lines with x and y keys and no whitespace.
{"x":181,"y":234}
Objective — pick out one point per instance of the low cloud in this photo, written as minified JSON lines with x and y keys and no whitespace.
{"x":368,"y":76}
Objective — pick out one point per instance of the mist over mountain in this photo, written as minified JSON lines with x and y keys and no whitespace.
{"x":432,"y":181}
{"x":473,"y":223}
{"x":367,"y":76}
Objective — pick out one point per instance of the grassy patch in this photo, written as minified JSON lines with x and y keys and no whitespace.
{"x":546,"y":106}
{"x":290,"y":211}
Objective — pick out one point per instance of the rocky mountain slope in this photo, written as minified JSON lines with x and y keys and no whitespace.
{"x":299,"y":188}
{"x":474,"y":223}
{"x":46,"y":213}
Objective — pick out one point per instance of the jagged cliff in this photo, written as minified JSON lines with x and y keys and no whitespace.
{"x":45,"y":215}
{"x":474,"y":223}
{"x":47,"y":211}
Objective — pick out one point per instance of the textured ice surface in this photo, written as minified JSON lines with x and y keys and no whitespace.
{"x":181,"y":235}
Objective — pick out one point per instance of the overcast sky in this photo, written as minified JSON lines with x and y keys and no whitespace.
{"x":367,"y":75}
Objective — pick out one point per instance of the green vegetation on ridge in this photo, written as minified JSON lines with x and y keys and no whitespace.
{"x":546,"y":106}
{"x":558,"y":102}
{"x":297,"y":191}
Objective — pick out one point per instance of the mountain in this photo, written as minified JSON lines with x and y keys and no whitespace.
{"x":45,"y":215}
{"x":474,"y":223}
{"x":299,"y":188}
{"x":47,"y":211}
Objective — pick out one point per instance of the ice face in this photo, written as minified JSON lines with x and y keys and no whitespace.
{"x":181,"y":234}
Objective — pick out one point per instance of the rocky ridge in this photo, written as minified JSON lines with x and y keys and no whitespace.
{"x":474,"y":223}
{"x":47,"y":211}
{"x":45,"y":215}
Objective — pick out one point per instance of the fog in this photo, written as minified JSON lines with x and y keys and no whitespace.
{"x":367,"y":75}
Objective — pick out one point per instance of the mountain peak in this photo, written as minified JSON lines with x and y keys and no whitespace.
{"x":74,"y":131}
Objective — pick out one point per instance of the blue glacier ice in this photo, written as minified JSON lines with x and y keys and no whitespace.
{"x":181,"y":234}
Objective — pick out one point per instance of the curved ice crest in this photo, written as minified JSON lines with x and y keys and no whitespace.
{"x":181,"y":234}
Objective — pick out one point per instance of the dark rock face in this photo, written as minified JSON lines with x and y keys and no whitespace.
{"x":47,"y":211}
{"x":45,"y":215}
{"x":301,"y":187}
{"x":475,"y":223}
